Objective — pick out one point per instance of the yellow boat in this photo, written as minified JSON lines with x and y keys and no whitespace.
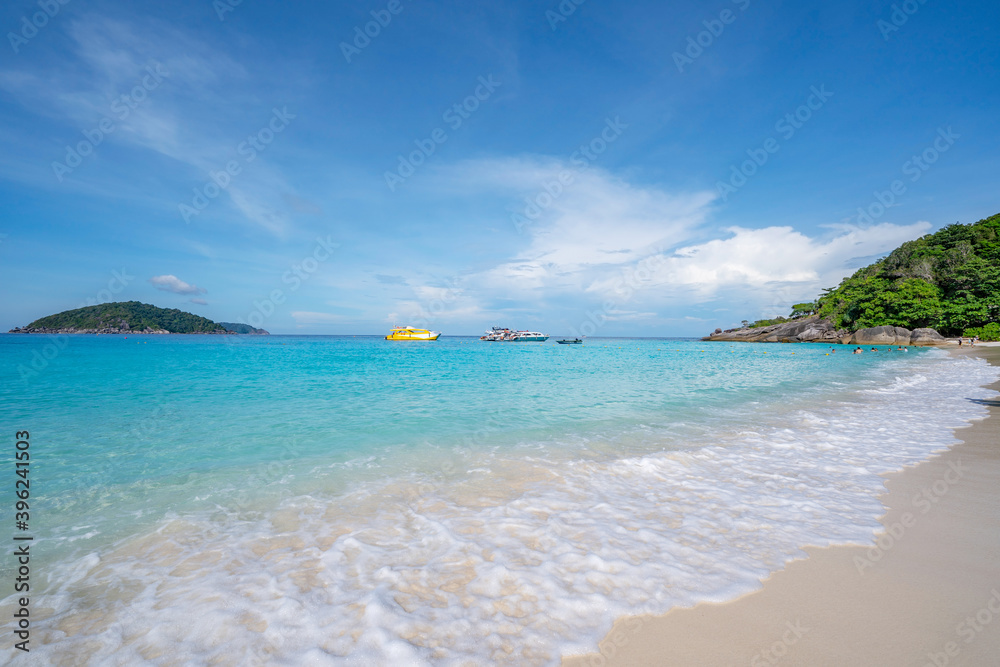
{"x":409,"y":333}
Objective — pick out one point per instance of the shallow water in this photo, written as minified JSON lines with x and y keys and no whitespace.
{"x":342,"y":500}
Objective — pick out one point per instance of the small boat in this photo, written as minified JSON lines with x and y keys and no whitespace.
{"x":570,"y":341}
{"x":409,"y":333}
{"x":529,"y":337}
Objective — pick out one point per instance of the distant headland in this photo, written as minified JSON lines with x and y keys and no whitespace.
{"x":131,"y":317}
{"x":240,"y":328}
{"x":945,"y":284}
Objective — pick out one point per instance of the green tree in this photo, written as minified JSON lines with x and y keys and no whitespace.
{"x":990,"y":332}
{"x":803,"y":309}
{"x":949,"y":280}
{"x":131,"y":315}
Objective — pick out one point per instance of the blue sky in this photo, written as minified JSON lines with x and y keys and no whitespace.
{"x":641,"y":168}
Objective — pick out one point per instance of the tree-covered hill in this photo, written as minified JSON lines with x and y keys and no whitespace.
{"x":948,"y":280}
{"x":127,"y":316}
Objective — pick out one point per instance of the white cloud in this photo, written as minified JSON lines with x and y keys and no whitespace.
{"x":602,"y":233}
{"x":171,"y":283}
{"x":766,"y":268}
{"x":756,"y":258}
{"x":596,"y":225}
{"x":200,"y":302}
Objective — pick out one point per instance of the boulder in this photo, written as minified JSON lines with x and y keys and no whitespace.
{"x":816,"y":332}
{"x":926,"y":337}
{"x":885,"y":335}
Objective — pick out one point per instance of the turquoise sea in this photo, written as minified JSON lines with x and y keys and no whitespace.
{"x":349,"y":500}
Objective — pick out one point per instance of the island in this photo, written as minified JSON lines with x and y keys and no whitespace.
{"x":240,"y":328}
{"x":942,"y":285}
{"x":130,"y":317}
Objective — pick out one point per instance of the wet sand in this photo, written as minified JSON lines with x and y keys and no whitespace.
{"x":928,"y":593}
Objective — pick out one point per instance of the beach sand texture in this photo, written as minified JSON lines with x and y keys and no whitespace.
{"x":928,"y":593}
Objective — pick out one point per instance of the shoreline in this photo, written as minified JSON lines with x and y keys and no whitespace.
{"x":928,"y":590}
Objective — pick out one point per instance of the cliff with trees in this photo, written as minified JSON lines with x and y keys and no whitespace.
{"x":948,"y":281}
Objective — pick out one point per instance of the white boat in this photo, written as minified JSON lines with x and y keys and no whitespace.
{"x":504,"y":335}
{"x":497,"y":335}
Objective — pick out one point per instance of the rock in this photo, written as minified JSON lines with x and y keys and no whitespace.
{"x":885,"y":335}
{"x":814,"y":330}
{"x":815,"y":333}
{"x":105,"y":330}
{"x":926,"y":337}
{"x":803,"y":330}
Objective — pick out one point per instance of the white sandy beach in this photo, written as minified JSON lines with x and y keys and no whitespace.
{"x":928,"y":593}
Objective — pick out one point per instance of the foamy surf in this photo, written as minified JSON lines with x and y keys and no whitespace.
{"x":507,"y":559}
